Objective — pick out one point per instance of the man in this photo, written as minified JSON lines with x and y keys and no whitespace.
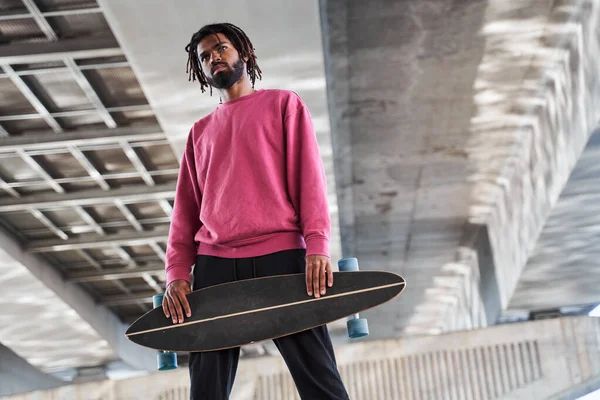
{"x":251,"y":201}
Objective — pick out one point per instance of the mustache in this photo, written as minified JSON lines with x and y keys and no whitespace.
{"x":218,"y":65}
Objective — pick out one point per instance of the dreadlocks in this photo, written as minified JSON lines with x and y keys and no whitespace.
{"x":239,"y":40}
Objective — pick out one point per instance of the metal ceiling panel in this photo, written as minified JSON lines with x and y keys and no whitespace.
{"x":67,"y":218}
{"x":62,"y":5}
{"x":78,"y":25}
{"x":23,"y":221}
{"x":102,"y":258}
{"x":64,"y":162}
{"x":19,"y":127}
{"x":136,"y":284}
{"x":79,"y":186}
{"x":137,"y":116}
{"x":88,"y":121}
{"x":12,"y":7}
{"x":106,"y":213}
{"x":109,"y":288}
{"x":12,"y":101}
{"x":64,"y":258}
{"x":103,"y":62}
{"x":112,"y":268}
{"x":15,"y":169}
{"x":34,"y":188}
{"x":20,"y":30}
{"x":75,"y":103}
{"x":161,"y":155}
{"x":64,"y":92}
{"x":157,"y":223}
{"x":46,"y":67}
{"x":117,"y":86}
{"x":113,"y":160}
{"x":147,"y":210}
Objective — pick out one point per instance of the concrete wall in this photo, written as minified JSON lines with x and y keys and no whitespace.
{"x":455,"y":126}
{"x":538,"y":102}
{"x":545,"y":359}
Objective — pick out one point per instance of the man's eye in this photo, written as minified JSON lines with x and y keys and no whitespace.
{"x":222,"y":48}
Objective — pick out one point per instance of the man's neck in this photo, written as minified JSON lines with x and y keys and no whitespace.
{"x":239,"y":89}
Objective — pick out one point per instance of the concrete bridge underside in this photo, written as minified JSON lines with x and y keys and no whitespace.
{"x":455,"y":127}
{"x":449,"y":130}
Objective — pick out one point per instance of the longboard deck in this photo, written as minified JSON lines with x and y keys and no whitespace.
{"x":249,"y":311}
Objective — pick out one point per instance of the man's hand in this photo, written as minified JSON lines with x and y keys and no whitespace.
{"x":175,"y":303}
{"x":318,"y":275}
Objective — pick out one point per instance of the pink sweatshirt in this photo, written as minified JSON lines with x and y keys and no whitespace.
{"x":251,"y":182}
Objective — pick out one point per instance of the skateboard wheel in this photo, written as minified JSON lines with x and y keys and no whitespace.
{"x":357,"y":328}
{"x":167,"y":360}
{"x":348,"y":264}
{"x":157,"y":300}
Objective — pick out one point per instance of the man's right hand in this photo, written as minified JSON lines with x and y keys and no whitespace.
{"x":175,"y":303}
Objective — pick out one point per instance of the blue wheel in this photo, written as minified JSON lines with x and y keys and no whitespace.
{"x":157,"y":300}
{"x":348,"y":264}
{"x":167,"y":360}
{"x":357,"y":328}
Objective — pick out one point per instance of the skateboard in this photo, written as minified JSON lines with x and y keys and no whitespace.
{"x":253,"y":310}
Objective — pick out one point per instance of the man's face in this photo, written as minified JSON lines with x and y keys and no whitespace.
{"x":220,"y":61}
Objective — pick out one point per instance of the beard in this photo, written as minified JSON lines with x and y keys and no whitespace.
{"x":227,"y":77}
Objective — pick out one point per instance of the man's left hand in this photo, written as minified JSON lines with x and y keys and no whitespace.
{"x":318,"y":275}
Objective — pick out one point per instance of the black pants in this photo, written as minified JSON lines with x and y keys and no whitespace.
{"x":309,"y":355}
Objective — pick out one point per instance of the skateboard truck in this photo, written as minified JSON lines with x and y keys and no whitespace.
{"x":357,"y":327}
{"x":167,"y":360}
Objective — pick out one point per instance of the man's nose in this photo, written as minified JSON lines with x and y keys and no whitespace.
{"x":215,"y":58}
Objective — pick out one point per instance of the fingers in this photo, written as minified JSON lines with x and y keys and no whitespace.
{"x":319,"y":275}
{"x":165,"y":306}
{"x":309,"y":278}
{"x":315,"y":281}
{"x":175,"y":304}
{"x":176,"y":312}
{"x":322,"y":277}
{"x":171,"y":308}
{"x":186,"y":306}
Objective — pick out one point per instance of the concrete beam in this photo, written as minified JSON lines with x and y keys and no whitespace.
{"x":39,"y":52}
{"x":87,"y":67}
{"x":94,"y":242}
{"x":526,"y":141}
{"x":89,"y":198}
{"x":127,"y":299}
{"x":51,"y":140}
{"x":101,"y":319}
{"x":18,"y":376}
{"x":60,"y":13}
{"x":563,"y":268}
{"x":123,"y":273}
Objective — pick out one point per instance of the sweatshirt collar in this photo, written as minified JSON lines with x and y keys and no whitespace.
{"x":240,"y":99}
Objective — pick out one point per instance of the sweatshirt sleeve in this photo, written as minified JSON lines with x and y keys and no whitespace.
{"x":185,"y":221}
{"x":307,"y":184}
